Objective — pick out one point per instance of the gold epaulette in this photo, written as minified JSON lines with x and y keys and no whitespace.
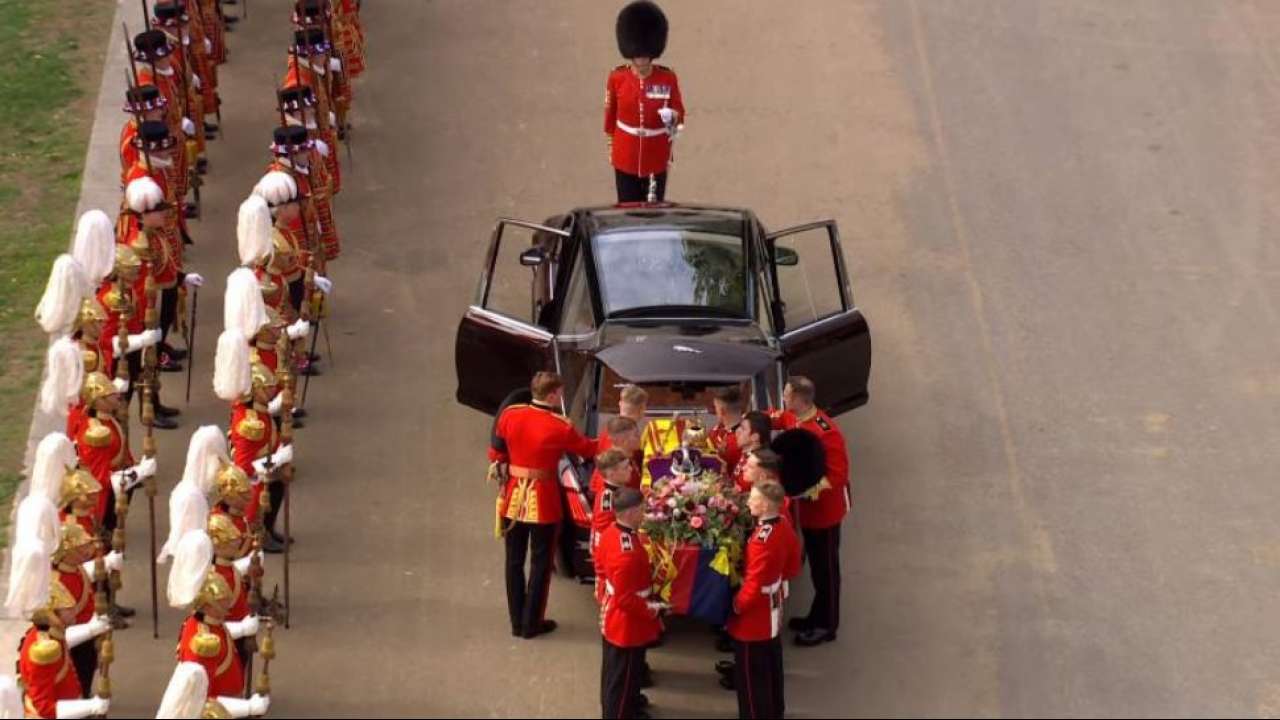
{"x":205,"y":644}
{"x":251,"y":426}
{"x":45,"y":650}
{"x":114,"y":301}
{"x":97,"y":434}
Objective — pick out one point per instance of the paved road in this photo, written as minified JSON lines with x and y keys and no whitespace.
{"x":1057,"y":219}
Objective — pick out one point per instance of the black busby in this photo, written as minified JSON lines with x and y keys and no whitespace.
{"x":151,"y":45}
{"x":143,"y":98}
{"x":642,"y":30}
{"x":154,"y":136}
{"x":296,"y":97}
{"x":804,"y":460}
{"x":289,"y":139}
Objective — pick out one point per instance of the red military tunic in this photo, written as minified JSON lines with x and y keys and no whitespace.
{"x":110,"y":301}
{"x":170,"y":86}
{"x":129,"y":153}
{"x":102,"y":450}
{"x":604,"y":442}
{"x":725,"y":441}
{"x":46,"y":672}
{"x":239,"y":588}
{"x":641,"y":145}
{"x":757,"y":606}
{"x":321,"y":231}
{"x":78,"y":583}
{"x":253,"y":436}
{"x":349,"y":36}
{"x":207,"y":642}
{"x":626,"y":619}
{"x":831,"y":503}
{"x":532,"y":438}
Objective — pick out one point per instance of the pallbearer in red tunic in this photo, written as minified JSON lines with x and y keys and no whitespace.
{"x":643,"y":109}
{"x":628,"y":614}
{"x":729,"y":408}
{"x":756,"y":621}
{"x":821,"y":510}
{"x":528,"y":442}
{"x":621,"y":432}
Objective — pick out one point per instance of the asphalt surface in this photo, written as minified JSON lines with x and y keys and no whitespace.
{"x":1056,"y":216}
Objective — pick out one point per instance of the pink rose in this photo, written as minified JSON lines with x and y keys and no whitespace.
{"x":701,"y":509}
{"x":696,"y":523}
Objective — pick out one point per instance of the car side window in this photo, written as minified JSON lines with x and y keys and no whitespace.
{"x":578,"y":317}
{"x":514,"y":289}
{"x":808,"y":282}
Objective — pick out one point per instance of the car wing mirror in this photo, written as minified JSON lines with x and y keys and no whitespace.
{"x":784,"y":257}
{"x":533,"y":257}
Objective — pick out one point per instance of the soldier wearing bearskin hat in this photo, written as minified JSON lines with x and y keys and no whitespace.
{"x":643,"y":109}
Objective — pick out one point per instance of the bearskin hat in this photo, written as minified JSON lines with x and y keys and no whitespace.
{"x":642,"y":30}
{"x":804,"y":460}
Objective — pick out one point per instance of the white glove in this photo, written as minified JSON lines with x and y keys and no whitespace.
{"x":333,"y":118}
{"x":301,"y":328}
{"x":324,"y":284}
{"x":276,"y":404}
{"x":322,"y":147}
{"x":244,"y":564}
{"x":260,"y":468}
{"x":208,"y":45}
{"x":188,"y":127}
{"x":335,"y":64}
{"x":283,"y":455}
{"x":72,"y":709}
{"x":194,"y":280}
{"x":146,"y":468}
{"x":668,"y":115}
{"x":134,"y":343}
{"x":255,"y":706}
{"x":243,"y":628}
{"x":84,"y":632}
{"x":196,"y":79}
{"x":121,"y":385}
{"x":113,"y":561}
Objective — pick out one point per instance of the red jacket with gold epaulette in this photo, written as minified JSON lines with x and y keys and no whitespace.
{"x":621,"y":560}
{"x":532,"y":439}
{"x":87,"y":522}
{"x":757,"y":606}
{"x":208,"y":643}
{"x":166,"y":261}
{"x":253,"y":436}
{"x":47,"y":673}
{"x":74,"y":579}
{"x":641,"y":145}
{"x":239,"y":589}
{"x":830,"y":504}
{"x":102,"y":450}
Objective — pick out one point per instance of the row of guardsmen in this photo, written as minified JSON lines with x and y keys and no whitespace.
{"x":527,"y":443}
{"x":109,"y":307}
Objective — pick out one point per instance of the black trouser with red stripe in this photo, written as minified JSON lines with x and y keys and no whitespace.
{"x":757,"y":676}
{"x":620,"y":671}
{"x":527,"y":603}
{"x":823,"y":548}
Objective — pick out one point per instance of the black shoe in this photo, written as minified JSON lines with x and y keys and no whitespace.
{"x":173,"y":352}
{"x":278,"y":537}
{"x":547,"y":626}
{"x":724,"y":644}
{"x":163,"y":411}
{"x":642,"y":701}
{"x":315,"y":357}
{"x":166,"y":363}
{"x":161,"y":422}
{"x":799,"y":624}
{"x":272,"y":545}
{"x":124,"y":611}
{"x":210,"y":128}
{"x":815,"y":636}
{"x":726,"y":682}
{"x":342,"y":132}
{"x":202,"y":164}
{"x":298,"y":425}
{"x":725,"y":667}
{"x":190,"y":211}
{"x":299,"y":413}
